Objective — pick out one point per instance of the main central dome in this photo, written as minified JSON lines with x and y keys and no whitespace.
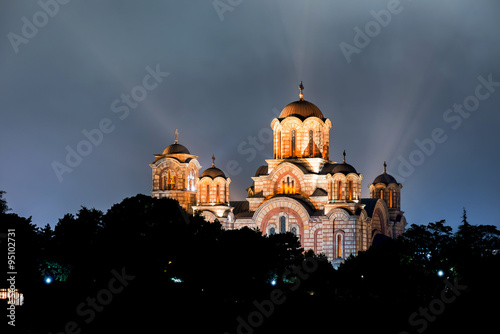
{"x":302,"y":109}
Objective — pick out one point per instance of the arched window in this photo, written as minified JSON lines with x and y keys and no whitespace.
{"x":288,"y":186}
{"x":172,"y":182}
{"x":350,"y":190}
{"x":381,"y":194}
{"x":390,"y":199}
{"x":162,"y":183}
{"x":282,"y":224}
{"x":272,"y":231}
{"x":208,"y":193}
{"x":294,"y":230}
{"x":339,"y":190}
{"x":278,"y":154}
{"x":190,"y":181}
{"x":339,"y":245}
{"x":217,"y":198}
{"x":311,"y":143}
{"x":293,"y":143}
{"x":330,"y":193}
{"x":168,"y":180}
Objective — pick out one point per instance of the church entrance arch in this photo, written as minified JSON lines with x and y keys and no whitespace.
{"x":282,"y":214}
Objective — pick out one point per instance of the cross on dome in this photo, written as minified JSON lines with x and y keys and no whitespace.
{"x":176,"y":133}
{"x":301,"y":88}
{"x":213,"y":160}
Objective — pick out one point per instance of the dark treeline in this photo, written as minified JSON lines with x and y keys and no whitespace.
{"x":146,"y":262}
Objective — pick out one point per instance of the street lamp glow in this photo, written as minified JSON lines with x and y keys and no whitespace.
{"x":440,"y":273}
{"x":273,"y":282}
{"x":48,"y":280}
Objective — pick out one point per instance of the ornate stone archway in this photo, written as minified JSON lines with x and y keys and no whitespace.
{"x":289,"y":206}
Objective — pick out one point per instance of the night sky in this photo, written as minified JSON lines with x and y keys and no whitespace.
{"x":416,"y":84}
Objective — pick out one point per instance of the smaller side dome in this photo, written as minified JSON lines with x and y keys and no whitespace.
{"x":343,"y":168}
{"x":262,"y":170}
{"x":213,"y":171}
{"x":384,"y":177}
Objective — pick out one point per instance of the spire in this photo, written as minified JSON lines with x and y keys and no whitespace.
{"x":385,"y":167}
{"x":343,"y":153}
{"x":301,"y":88}
{"x":176,"y":133}
{"x":213,"y":161}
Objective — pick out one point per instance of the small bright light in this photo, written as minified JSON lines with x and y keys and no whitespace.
{"x":273,"y":282}
{"x":48,"y":280}
{"x":440,"y":273}
{"x":176,"y":280}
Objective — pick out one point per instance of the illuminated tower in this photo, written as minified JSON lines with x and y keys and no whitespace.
{"x":175,"y":173}
{"x":213,"y":195}
{"x":387,"y":188}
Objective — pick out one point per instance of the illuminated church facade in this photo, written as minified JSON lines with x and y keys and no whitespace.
{"x":298,"y":190}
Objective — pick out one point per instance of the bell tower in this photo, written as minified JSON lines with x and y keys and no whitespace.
{"x":175,"y":173}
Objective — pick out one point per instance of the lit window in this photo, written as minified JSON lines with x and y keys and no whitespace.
{"x":311,"y":145}
{"x":390,"y":198}
{"x":339,"y":190}
{"x":293,"y":143}
{"x":350,"y":190}
{"x":381,"y":194}
{"x":208,"y":193}
{"x":339,"y":245}
{"x":172,"y":182}
{"x":278,"y":145}
{"x":217,"y":195}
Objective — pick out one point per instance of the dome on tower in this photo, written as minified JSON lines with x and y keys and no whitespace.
{"x":213,"y":171}
{"x":176,"y":149}
{"x":343,"y":167}
{"x":301,"y":108}
{"x":384,"y":177}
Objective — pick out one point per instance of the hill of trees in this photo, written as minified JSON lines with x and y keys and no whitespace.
{"x":147,"y":263}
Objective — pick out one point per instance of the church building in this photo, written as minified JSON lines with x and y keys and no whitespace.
{"x":299,"y":190}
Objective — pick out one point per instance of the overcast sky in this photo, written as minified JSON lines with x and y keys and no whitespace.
{"x":386,"y":74}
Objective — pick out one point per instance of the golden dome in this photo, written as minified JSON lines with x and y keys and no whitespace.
{"x":302,"y":109}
